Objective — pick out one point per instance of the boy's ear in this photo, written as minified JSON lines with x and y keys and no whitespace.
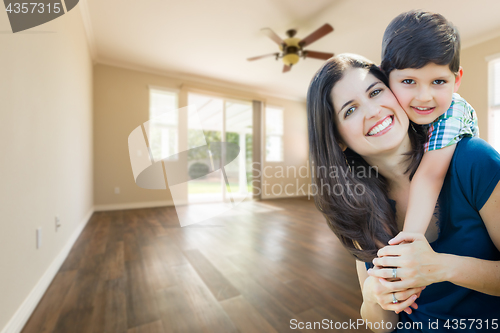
{"x":458,"y":79}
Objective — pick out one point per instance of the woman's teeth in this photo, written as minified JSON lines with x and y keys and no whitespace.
{"x":422,"y":109}
{"x":381,"y":127}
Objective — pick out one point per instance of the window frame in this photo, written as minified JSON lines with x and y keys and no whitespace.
{"x":281,"y":136}
{"x":176,"y":93}
{"x":493,"y":109}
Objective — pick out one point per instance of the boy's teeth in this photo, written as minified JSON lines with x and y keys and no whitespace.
{"x":381,"y":127}
{"x":422,"y":109}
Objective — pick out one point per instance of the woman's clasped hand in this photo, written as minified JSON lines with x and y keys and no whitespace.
{"x":405,"y":268}
{"x":416,"y":263}
{"x":383,"y":292}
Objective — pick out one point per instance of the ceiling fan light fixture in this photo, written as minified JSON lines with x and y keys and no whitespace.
{"x":290,"y":59}
{"x":292,"y":48}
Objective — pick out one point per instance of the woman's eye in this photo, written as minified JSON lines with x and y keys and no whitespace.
{"x":349,"y":111}
{"x":408,"y":81}
{"x":375,"y":92}
{"x":439,"y":82}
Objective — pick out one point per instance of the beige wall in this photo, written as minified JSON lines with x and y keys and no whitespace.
{"x":121,"y":103}
{"x":289,"y":176}
{"x":474,"y":85}
{"x":46,"y":149}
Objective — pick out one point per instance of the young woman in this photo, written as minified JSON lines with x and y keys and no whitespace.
{"x":355,"y":123}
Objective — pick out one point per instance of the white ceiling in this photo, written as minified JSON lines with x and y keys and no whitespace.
{"x":211,"y":39}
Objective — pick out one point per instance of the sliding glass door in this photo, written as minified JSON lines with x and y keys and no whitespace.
{"x":222,"y":120}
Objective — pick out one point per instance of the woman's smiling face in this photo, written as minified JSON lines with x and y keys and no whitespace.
{"x":369,"y":119}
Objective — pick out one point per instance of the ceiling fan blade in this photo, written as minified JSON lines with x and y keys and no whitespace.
{"x":286,"y":68}
{"x":271,"y":34}
{"x":318,"y":55}
{"x":262,"y":56}
{"x":324,"y":30}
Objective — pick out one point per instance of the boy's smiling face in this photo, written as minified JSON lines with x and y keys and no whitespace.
{"x":425,"y":93}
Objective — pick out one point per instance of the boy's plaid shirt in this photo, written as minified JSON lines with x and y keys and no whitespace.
{"x":457,"y":122}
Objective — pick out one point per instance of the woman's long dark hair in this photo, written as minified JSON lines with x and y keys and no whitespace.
{"x":353,"y":201}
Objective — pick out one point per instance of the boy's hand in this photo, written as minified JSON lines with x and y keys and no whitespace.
{"x":403,"y":238}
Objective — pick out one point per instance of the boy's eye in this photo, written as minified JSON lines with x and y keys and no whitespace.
{"x":375,"y":92}
{"x":439,"y":82}
{"x":349,"y":111}
{"x":408,"y":81}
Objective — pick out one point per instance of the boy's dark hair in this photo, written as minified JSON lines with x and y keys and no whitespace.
{"x":415,"y":38}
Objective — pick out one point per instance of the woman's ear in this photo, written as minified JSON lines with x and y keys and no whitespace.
{"x":458,"y":79}
{"x":342,"y":146}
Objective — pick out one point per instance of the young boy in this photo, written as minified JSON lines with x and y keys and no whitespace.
{"x":421,"y":56}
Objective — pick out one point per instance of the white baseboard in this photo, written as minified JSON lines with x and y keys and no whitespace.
{"x":134,"y":205}
{"x":23,"y":313}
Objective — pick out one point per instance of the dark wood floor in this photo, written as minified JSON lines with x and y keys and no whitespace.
{"x":254,"y":271}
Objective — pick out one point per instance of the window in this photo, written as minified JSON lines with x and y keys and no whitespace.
{"x":222,"y":120}
{"x":494,"y":103}
{"x":274,"y":134}
{"x":163,"y":126}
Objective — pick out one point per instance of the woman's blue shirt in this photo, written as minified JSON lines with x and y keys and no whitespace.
{"x":472,"y":176}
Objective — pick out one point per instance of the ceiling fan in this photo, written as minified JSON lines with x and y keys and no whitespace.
{"x":293,"y":48}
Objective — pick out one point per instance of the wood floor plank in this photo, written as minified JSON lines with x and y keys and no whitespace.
{"x":219,"y":260}
{"x":77,"y":308}
{"x":77,"y":320}
{"x":116,"y":227}
{"x":157,"y":272}
{"x":154,"y":327}
{"x":97,"y":320}
{"x":279,"y":271}
{"x":285,"y":295}
{"x":246,"y":318}
{"x":167,"y":216}
{"x":141,"y":308}
{"x":169,"y":253}
{"x":115,"y":261}
{"x":150,"y":256}
{"x":72,"y":261}
{"x":183,"y":238}
{"x":207,"y":309}
{"x":46,"y":314}
{"x":137,"y":270}
{"x":220,"y":287}
{"x":334,"y":289}
{"x":144,"y":233}
{"x":154,"y":223}
{"x":99,"y":239}
{"x":115,"y":319}
{"x":275,"y":313}
{"x":309,"y":293}
{"x":131,"y":249}
{"x":175,"y":310}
